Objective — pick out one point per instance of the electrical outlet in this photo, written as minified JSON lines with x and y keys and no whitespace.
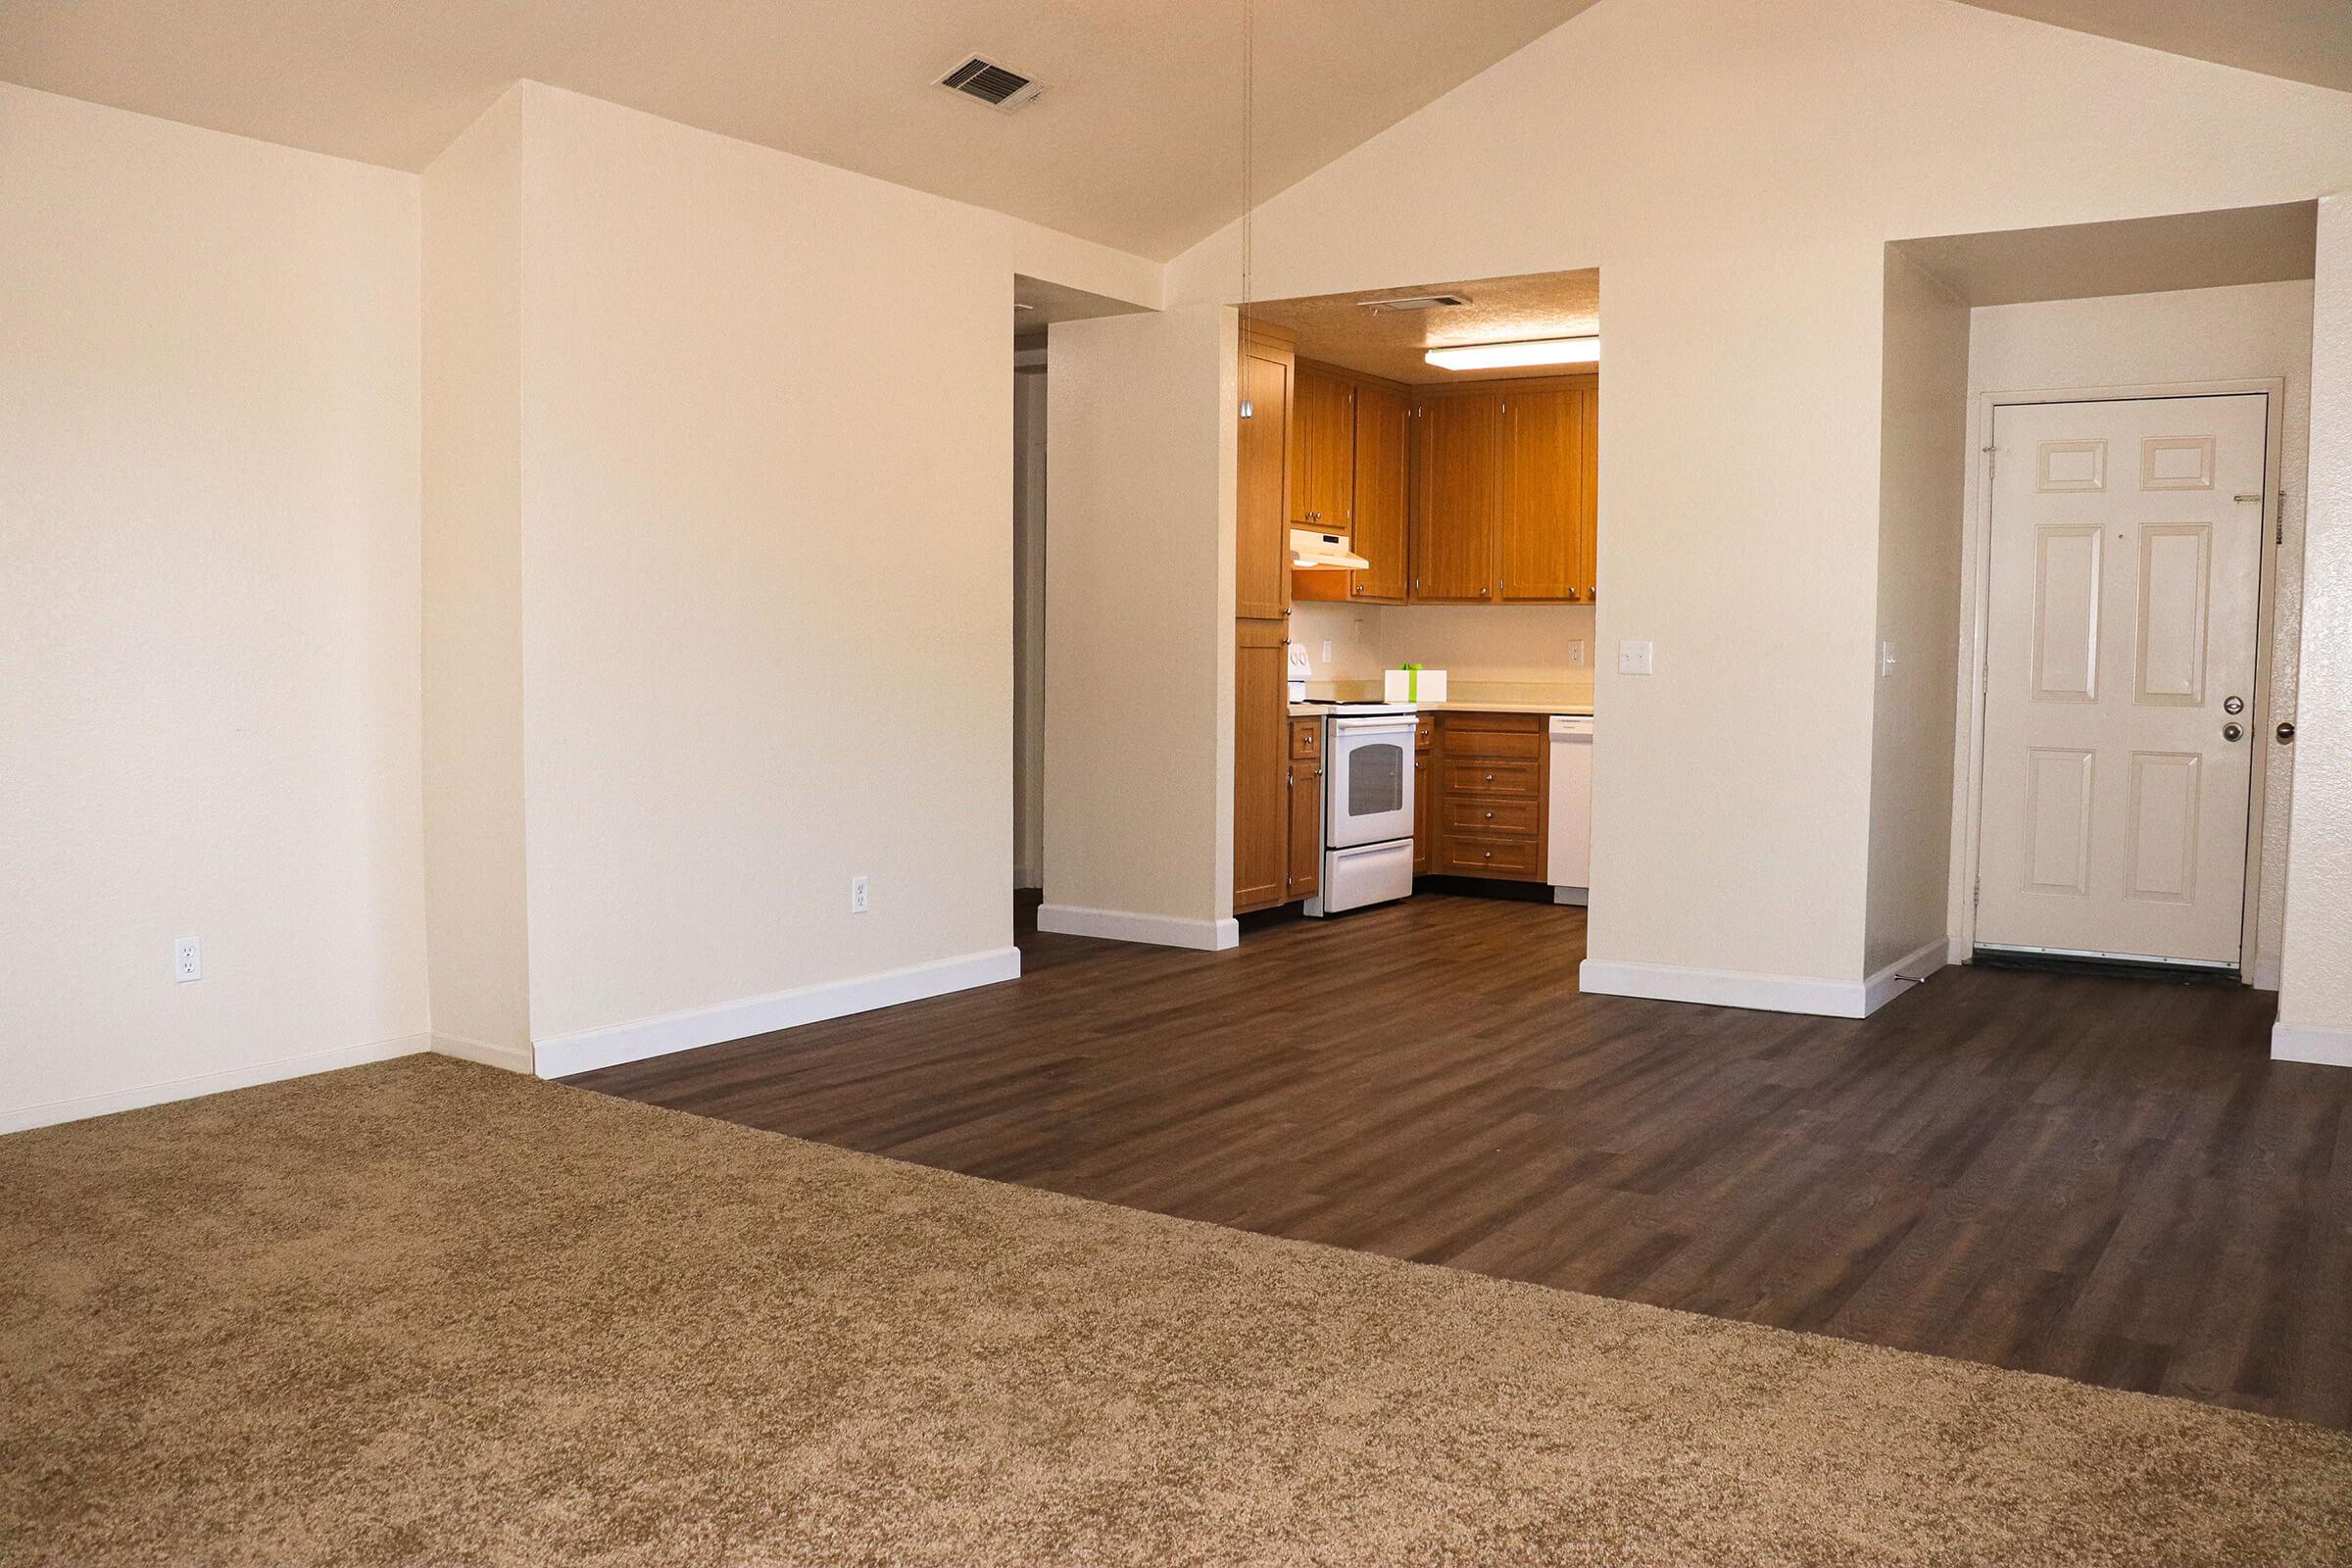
{"x":1576,"y":652}
{"x":1327,"y":650}
{"x":187,"y":959}
{"x":857,"y":895}
{"x":1633,"y":658}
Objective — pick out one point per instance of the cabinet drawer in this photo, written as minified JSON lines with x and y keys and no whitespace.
{"x":1472,"y":776}
{"x":1502,"y":816}
{"x":1505,"y":736}
{"x":1306,"y":739}
{"x":1463,"y":856}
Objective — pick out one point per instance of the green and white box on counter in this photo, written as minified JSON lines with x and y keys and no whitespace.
{"x":1414,"y":684}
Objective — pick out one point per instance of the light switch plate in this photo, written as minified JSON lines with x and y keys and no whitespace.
{"x":1576,"y":653}
{"x":1633,"y":657}
{"x":1886,"y":660}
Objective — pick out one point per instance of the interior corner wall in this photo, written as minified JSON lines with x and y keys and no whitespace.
{"x":1734,"y":168}
{"x":2315,"y":989}
{"x":472,"y":592}
{"x":767,"y":584}
{"x":1139,"y":636}
{"x":209,"y":690}
{"x":1922,"y":461}
{"x":2252,"y":331}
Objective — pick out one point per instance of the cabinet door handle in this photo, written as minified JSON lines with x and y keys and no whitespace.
{"x":1571,"y":595}
{"x":1490,"y":816}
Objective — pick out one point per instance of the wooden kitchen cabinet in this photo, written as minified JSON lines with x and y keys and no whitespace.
{"x":1540,"y":538}
{"x":1323,"y":452}
{"x":1261,"y":801}
{"x":1454,"y":499}
{"x":1504,"y":494}
{"x":1305,"y":808}
{"x":1383,"y":476}
{"x":1480,"y":808}
{"x":1262,"y":514}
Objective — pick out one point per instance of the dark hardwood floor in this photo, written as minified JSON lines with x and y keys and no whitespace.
{"x":2104,"y":1179}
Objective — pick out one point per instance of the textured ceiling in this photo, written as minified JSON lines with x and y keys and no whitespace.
{"x":1337,"y":330}
{"x":1134,"y":143}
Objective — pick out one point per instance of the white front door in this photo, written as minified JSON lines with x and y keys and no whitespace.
{"x":2119,"y":705}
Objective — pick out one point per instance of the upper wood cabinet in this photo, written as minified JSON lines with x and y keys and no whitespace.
{"x":1382,"y":475}
{"x":1323,"y":452}
{"x":1455,"y":440}
{"x":1261,"y":529}
{"x":1503,"y":495}
{"x":1539,"y":553}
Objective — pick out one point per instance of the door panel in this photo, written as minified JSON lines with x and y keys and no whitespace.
{"x":1323,"y":451}
{"x":1543,"y":495}
{"x":1380,"y":494}
{"x":1261,"y":543}
{"x":1261,"y":802}
{"x":2124,"y":592}
{"x":1453,"y":520}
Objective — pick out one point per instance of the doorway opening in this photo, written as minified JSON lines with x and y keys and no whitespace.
{"x":2136,"y":407}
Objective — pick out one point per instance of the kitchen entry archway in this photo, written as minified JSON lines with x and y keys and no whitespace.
{"x":2121,"y":724}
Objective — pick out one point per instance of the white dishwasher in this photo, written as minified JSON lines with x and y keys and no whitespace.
{"x":1568,"y":815}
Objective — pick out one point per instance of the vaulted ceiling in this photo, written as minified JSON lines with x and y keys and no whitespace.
{"x":1136,"y":141}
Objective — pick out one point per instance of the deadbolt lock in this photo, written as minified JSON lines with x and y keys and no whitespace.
{"x":2234,"y":704}
{"x":2286,"y":732}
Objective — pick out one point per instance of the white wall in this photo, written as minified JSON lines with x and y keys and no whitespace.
{"x":1139,"y":601}
{"x":1923,"y":462}
{"x":2315,"y":987}
{"x":767,"y":541}
{"x":207,"y":610}
{"x":472,"y":562}
{"x":1734,"y":168}
{"x":2252,"y":332}
{"x":1029,"y":402}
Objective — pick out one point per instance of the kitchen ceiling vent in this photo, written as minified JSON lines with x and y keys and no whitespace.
{"x":993,"y":85}
{"x":1414,"y":302}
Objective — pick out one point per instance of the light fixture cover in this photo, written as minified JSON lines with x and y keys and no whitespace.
{"x":1496,"y":356}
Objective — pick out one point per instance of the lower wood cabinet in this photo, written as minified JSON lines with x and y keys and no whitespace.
{"x":1261,"y":800}
{"x":1481,"y":784}
{"x":1306,"y":809}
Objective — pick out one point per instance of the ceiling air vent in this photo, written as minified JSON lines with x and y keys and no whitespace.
{"x":1414,"y":302}
{"x":983,"y":79}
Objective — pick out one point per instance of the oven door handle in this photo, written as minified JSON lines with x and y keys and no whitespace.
{"x":1357,"y":727}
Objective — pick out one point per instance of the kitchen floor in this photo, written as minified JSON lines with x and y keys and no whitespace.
{"x":2104,"y":1179}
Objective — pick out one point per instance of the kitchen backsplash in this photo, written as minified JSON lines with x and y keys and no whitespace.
{"x":1494,"y":652}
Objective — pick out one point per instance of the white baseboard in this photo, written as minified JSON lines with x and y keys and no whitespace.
{"x":1901,"y":975}
{"x":2312,"y":1043}
{"x":17,"y":1118}
{"x":513,"y":1059}
{"x":590,"y":1048}
{"x":1121,"y":926}
{"x":1579,"y":896}
{"x":1763,"y":993}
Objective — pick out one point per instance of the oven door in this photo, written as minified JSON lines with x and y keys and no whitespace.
{"x":1368,"y":776}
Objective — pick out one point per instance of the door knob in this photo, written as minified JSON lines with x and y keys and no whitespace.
{"x":2233,"y":732}
{"x":2286,"y":732}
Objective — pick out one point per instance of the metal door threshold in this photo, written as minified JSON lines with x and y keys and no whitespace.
{"x":2114,"y":965}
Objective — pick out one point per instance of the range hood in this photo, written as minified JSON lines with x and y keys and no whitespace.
{"x":1323,"y":552}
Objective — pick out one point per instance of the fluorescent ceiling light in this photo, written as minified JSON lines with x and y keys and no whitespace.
{"x":1495,"y":355}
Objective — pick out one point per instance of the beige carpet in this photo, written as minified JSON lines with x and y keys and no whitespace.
{"x":426,"y":1312}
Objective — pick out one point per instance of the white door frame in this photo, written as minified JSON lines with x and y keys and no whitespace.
{"x":1976,"y":612}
